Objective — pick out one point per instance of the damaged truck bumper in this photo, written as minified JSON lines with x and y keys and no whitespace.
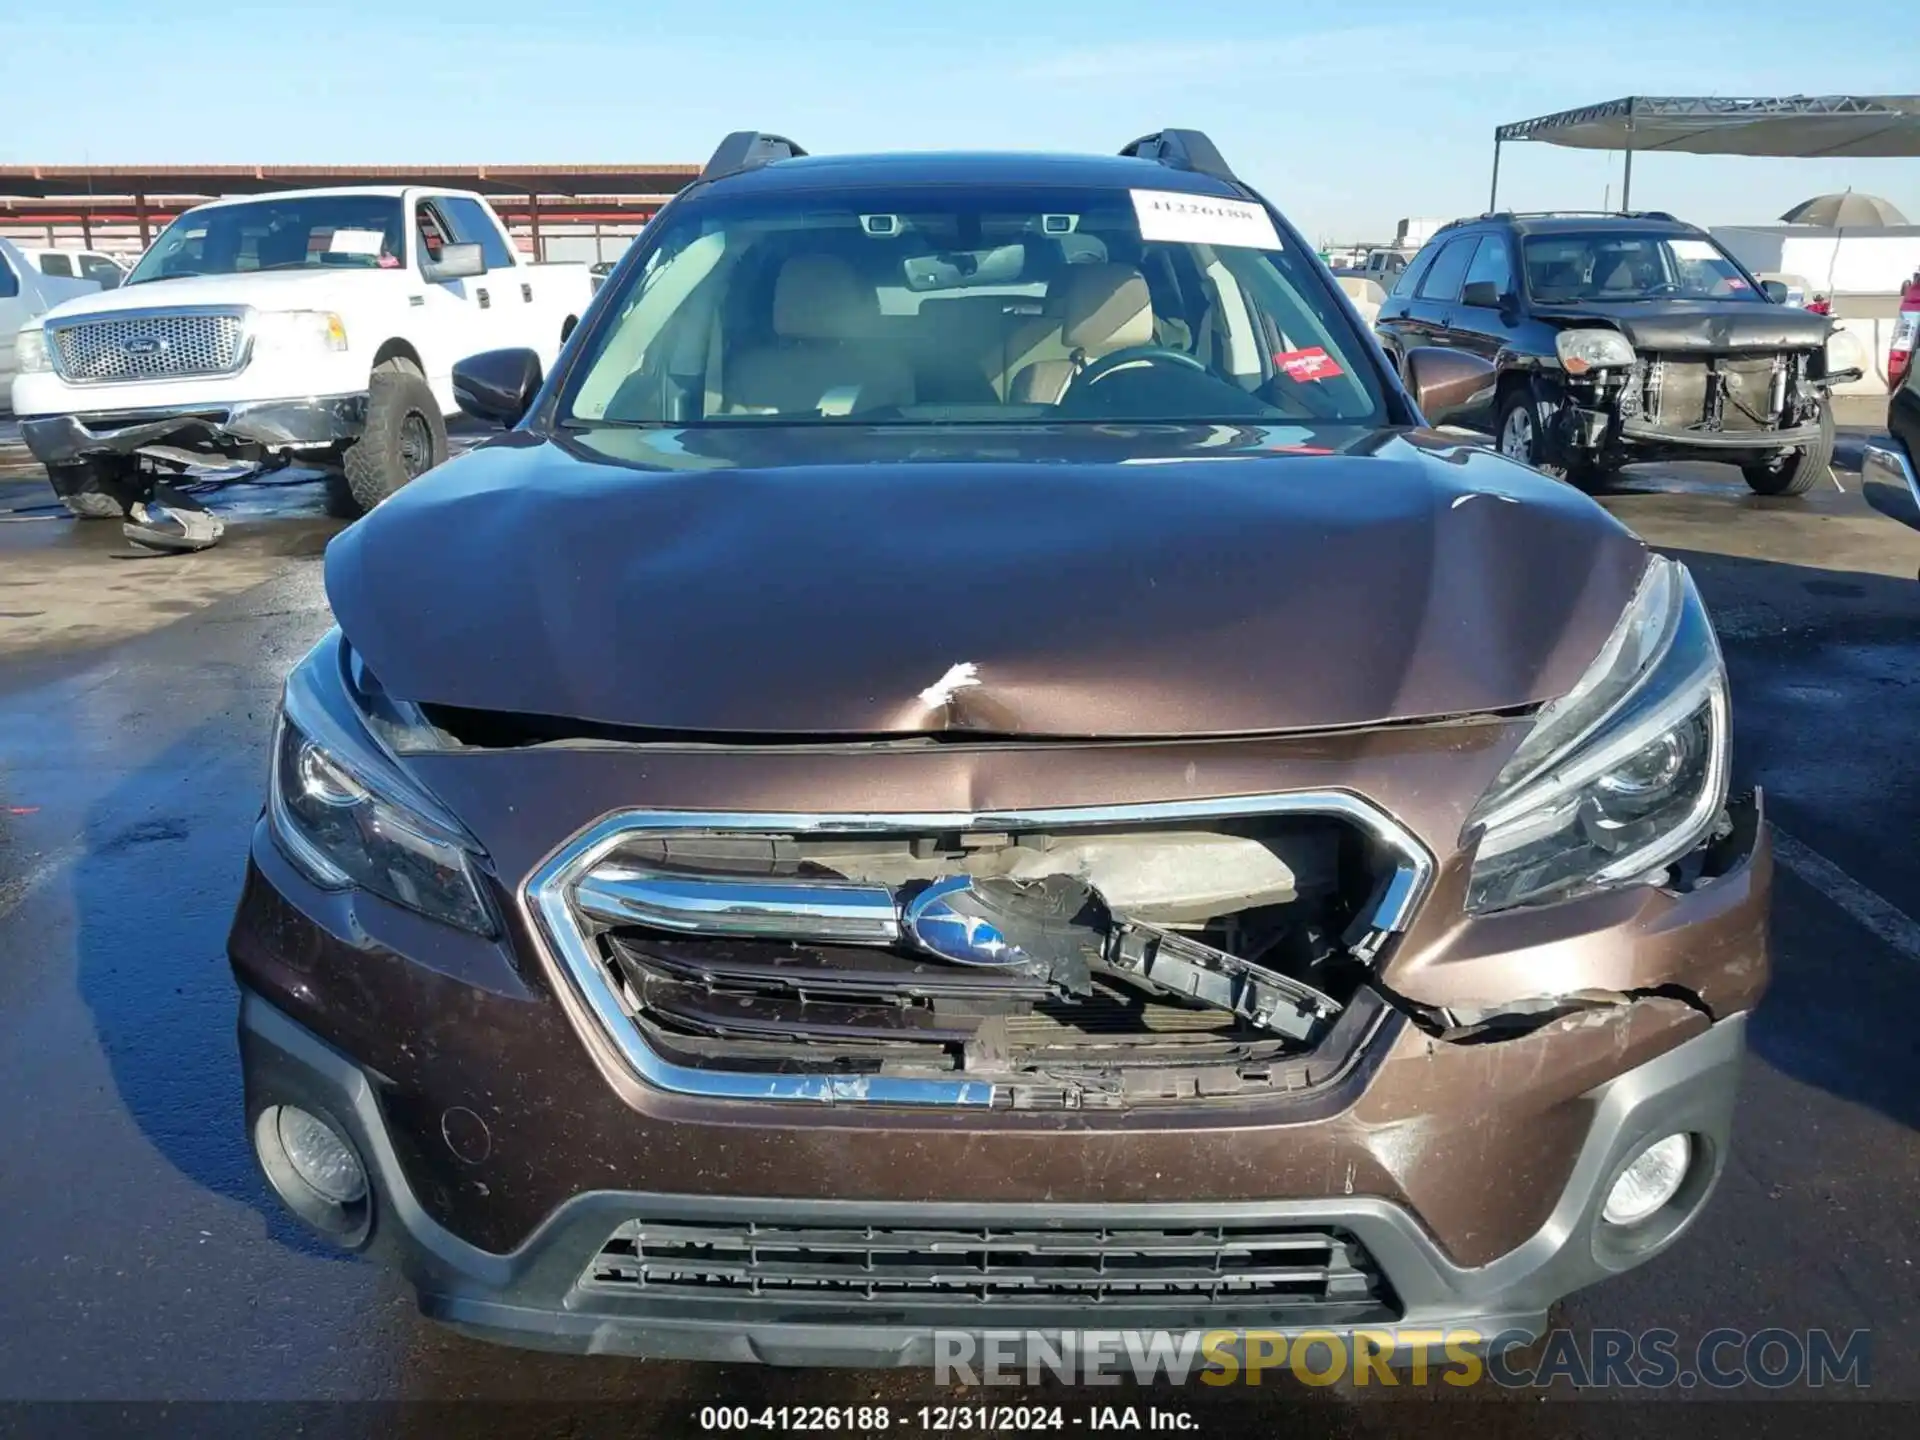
{"x":270,"y":425}
{"x":1640,"y":433}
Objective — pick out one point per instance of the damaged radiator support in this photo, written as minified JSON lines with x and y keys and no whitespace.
{"x":1209,"y":954}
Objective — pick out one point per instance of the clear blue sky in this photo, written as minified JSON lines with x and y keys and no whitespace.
{"x":1347,"y":115}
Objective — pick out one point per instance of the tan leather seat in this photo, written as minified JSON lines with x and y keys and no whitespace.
{"x":1103,"y":308}
{"x":827,"y":357}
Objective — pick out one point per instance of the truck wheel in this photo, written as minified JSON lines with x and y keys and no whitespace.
{"x":1521,"y":429}
{"x":406,"y":435}
{"x":98,"y":489}
{"x":1794,"y":472}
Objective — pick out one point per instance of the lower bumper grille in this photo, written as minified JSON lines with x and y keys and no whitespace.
{"x":1324,"y":1274}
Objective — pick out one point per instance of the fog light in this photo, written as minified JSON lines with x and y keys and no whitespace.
{"x":320,"y":1157}
{"x":316,"y":1171}
{"x":1649,"y":1182}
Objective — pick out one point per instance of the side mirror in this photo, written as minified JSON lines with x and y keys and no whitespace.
{"x":1481,"y":295}
{"x":456,"y":262}
{"x":497,"y":386}
{"x":1449,"y":385}
{"x":1776,"y":291}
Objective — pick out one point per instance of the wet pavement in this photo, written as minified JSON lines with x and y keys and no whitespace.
{"x":145,"y":1259}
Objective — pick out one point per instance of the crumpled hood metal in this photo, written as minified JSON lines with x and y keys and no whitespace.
{"x":1041,"y":584}
{"x":1700,"y":326}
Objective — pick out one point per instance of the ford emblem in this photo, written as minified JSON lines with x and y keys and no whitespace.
{"x":144,"y":345}
{"x":940,"y":927}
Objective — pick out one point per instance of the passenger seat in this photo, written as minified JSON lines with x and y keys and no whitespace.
{"x":827,"y":357}
{"x":1103,"y":308}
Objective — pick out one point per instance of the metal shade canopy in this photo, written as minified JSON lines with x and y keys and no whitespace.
{"x":1794,"y":126}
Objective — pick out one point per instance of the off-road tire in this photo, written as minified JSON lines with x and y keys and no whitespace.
{"x":405,"y":436}
{"x":1519,"y":402}
{"x":98,"y":489}
{"x":1796,"y":471}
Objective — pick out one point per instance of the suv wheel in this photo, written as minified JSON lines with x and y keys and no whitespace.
{"x":1794,"y":472}
{"x":406,"y":436}
{"x":100,"y":488}
{"x":1522,"y":436}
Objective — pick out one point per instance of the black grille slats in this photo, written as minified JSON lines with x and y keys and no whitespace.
{"x":1211,"y":1265}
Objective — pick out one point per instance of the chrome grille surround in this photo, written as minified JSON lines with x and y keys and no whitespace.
{"x":550,"y":899}
{"x":172,"y":343}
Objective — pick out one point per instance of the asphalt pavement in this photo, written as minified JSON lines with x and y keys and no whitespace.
{"x":146,"y":1261}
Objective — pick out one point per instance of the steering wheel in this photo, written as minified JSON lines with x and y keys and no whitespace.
{"x":1133,"y":355}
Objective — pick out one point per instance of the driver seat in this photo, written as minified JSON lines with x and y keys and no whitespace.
{"x":1103,"y":308}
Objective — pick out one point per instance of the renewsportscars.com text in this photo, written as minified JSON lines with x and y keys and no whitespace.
{"x":1606,"y":1359}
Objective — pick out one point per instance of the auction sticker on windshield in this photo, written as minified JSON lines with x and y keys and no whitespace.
{"x":356,"y":242}
{"x":1181,"y":219}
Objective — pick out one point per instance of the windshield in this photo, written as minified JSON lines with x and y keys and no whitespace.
{"x":294,"y":233}
{"x":1611,"y":265}
{"x":959,"y":305}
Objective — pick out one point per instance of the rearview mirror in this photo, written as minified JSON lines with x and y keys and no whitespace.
{"x":456,"y":262}
{"x":1481,"y":295}
{"x":1450,"y":385}
{"x":1776,"y":290}
{"x":497,"y":386}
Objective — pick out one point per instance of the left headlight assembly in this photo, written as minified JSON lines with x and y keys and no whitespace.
{"x":1622,"y":775}
{"x":345,"y":814}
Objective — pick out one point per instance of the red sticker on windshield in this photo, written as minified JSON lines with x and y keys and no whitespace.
{"x":1734,"y":282}
{"x":1312,"y":363}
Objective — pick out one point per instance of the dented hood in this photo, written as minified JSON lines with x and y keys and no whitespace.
{"x":1701,"y":326}
{"x":1040,"y":582}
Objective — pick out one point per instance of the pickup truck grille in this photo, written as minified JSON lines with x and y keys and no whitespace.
{"x":149,"y":345}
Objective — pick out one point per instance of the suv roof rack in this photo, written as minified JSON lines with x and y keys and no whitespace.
{"x":1579,"y":214}
{"x":748,"y":150}
{"x":1183,"y":150}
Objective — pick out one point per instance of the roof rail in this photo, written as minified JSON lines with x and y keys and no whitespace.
{"x":1183,"y":150}
{"x":1579,"y":214}
{"x":748,"y":150}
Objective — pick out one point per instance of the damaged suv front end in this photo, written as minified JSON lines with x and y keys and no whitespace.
{"x":640,"y":952}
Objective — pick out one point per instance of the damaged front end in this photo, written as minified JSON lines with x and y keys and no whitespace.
{"x":1050,"y":959}
{"x":1132,"y":954}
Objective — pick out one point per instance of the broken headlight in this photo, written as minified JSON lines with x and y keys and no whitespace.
{"x":345,"y":814}
{"x":1623,"y":774}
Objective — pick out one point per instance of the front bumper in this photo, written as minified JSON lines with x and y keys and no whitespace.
{"x":314,"y":422}
{"x":1750,"y":441}
{"x":533,"y":1295}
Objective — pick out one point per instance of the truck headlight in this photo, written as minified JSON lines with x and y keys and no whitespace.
{"x":1622,"y":775}
{"x":30,"y":355}
{"x":345,"y":814}
{"x":301,"y":331}
{"x":1584,"y":350}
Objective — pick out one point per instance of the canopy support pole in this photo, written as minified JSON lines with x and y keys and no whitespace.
{"x":1626,"y":180}
{"x":1493,"y":197}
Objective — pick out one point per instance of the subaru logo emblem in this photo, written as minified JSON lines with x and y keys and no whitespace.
{"x":144,"y":345}
{"x":942,"y":928}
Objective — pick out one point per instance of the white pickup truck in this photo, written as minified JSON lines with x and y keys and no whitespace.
{"x":316,"y":325}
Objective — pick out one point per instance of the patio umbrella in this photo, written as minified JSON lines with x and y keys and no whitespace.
{"x":1847,"y":208}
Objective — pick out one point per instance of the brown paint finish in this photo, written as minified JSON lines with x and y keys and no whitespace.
{"x":1128,"y":581}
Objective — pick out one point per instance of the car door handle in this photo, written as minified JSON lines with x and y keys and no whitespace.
{"x":486,"y":300}
{"x":526,"y":293}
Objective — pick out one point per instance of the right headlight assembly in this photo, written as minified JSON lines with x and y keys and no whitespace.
{"x":1625,"y":773}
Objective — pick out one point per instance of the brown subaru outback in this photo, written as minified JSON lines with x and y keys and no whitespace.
{"x":970,"y":763}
